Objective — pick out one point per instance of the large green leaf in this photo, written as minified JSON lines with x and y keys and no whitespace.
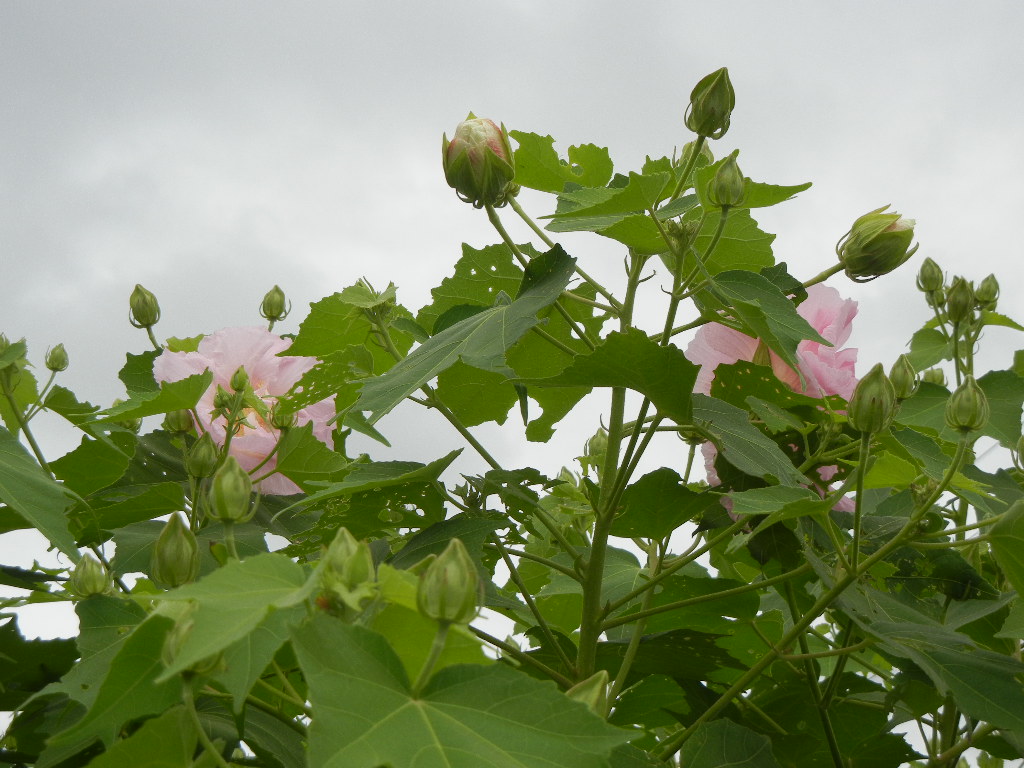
{"x":657,"y":504}
{"x":168,"y":741}
{"x":28,"y":665}
{"x":172,"y":396}
{"x":33,"y":494}
{"x":928,"y":347}
{"x":640,"y":193}
{"x":117,"y":507}
{"x":1006,"y":538}
{"x":724,"y":743}
{"x":365,"y":714}
{"x":632,"y":360}
{"x":95,"y":464}
{"x":480,"y":340}
{"x":301,"y":457}
{"x":539,"y":167}
{"x":742,"y":245}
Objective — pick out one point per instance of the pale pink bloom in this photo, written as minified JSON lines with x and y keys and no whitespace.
{"x":270,"y":376}
{"x":826,"y":370}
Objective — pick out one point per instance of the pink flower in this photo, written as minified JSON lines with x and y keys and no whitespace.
{"x":827,"y":370}
{"x":270,"y":376}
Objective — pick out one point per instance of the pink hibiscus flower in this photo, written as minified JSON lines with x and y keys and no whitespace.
{"x":270,"y":376}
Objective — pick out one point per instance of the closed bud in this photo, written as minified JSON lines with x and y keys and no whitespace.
{"x":202,"y":458}
{"x":348,"y":570}
{"x":175,"y":641}
{"x":876,"y":244}
{"x":222,"y":399}
{"x":711,"y":103}
{"x":230,"y":493}
{"x":593,"y":692}
{"x":934,"y":376}
{"x":145,"y":309}
{"x":959,"y":301}
{"x":281,"y":417}
{"x":705,"y":154}
{"x":873,"y":403}
{"x":90,"y":578}
{"x":930,"y":277}
{"x":132,"y":425}
{"x":275,"y":306}
{"x":728,"y":187}
{"x":179,"y":421}
{"x":57,"y":359}
{"x":175,"y":559}
{"x":5,"y":343}
{"x":598,"y":444}
{"x":987,"y":293}
{"x":478,"y":162}
{"x":967,"y":408}
{"x":449,"y":589}
{"x":239,"y":380}
{"x":903,"y":378}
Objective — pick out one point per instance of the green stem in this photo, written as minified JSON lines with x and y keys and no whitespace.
{"x":152,"y":339}
{"x":32,"y":411}
{"x":829,"y":654}
{"x":554,"y":341}
{"x":654,"y":561}
{"x":523,"y":658}
{"x":229,"y":538}
{"x":833,"y":681}
{"x":862,"y":470}
{"x":435,"y":653}
{"x":295,"y":701}
{"x":190,"y":705}
{"x":538,"y":559}
{"x":19,"y":416}
{"x":823,"y":276}
{"x":688,"y":168}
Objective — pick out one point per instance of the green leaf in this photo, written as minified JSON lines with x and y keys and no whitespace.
{"x":928,"y":347}
{"x":119,"y":506}
{"x":632,"y":360}
{"x":63,"y":402}
{"x":742,"y":444}
{"x":1005,"y":393}
{"x":757,"y":194}
{"x":473,"y":531}
{"x":30,"y":492}
{"x":657,"y":504}
{"x":27,"y":666}
{"x":742,"y":245}
{"x":640,"y":193}
{"x":137,"y":374}
{"x":168,"y":741}
{"x":539,"y":167}
{"x":766,"y":311}
{"x":365,"y":714}
{"x":480,"y":341}
{"x":994,"y":318}
{"x":474,"y":395}
{"x":1006,"y":538}
{"x":172,"y":396}
{"x":302,"y":458}
{"x":724,"y":743}
{"x":654,"y":702}
{"x":234,"y":600}
{"x":362,"y":296}
{"x":95,"y":464}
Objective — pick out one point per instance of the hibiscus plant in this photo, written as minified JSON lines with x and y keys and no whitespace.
{"x":758,"y":560}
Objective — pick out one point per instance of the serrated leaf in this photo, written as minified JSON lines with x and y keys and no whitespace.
{"x":365,"y":714}
{"x":480,"y":341}
{"x":539,"y":167}
{"x":927,"y":348}
{"x":28,"y":665}
{"x":657,"y":504}
{"x":756,"y":194}
{"x":137,"y":373}
{"x":363,"y":296}
{"x":167,"y":741}
{"x":119,"y":506}
{"x":641,"y":193}
{"x":172,"y":396}
{"x":302,"y":457}
{"x":995,"y":318}
{"x":33,"y":494}
{"x":632,"y":360}
{"x":95,"y":464}
{"x":1006,"y":538}
{"x":724,"y":743}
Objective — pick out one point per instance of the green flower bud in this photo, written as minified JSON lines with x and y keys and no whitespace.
{"x":598,"y":444}
{"x":934,"y":376}
{"x":175,"y":559}
{"x":987,"y":293}
{"x":449,"y":589}
{"x":5,"y":343}
{"x":930,"y":277}
{"x":967,"y":408}
{"x":132,"y":425}
{"x":281,"y":417}
{"x":275,"y":306}
{"x":57,"y":359}
{"x":230,"y":493}
{"x":873,"y":403}
{"x":593,"y":692}
{"x":349,"y":573}
{"x":223,"y":400}
{"x":202,"y":458}
{"x":90,"y":578}
{"x":711,"y":103}
{"x":145,"y":309}
{"x":239,"y":380}
{"x":175,"y":641}
{"x":728,"y":187}
{"x":876,"y":244}
{"x":959,"y":301}
{"x":179,"y":421}
{"x":903,"y":378}
{"x":478,"y":162}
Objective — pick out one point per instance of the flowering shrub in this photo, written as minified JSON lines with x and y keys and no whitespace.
{"x":642,"y":626}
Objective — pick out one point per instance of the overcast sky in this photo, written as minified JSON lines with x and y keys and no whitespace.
{"x":211,"y":149}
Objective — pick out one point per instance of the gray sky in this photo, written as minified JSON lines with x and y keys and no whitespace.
{"x":210,"y":150}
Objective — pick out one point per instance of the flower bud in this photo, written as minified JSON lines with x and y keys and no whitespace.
{"x":239,"y":379}
{"x":876,"y":244}
{"x":281,"y":417}
{"x":132,"y":425}
{"x":175,"y":641}
{"x":449,"y":589}
{"x":930,"y":277}
{"x":727,"y":188}
{"x":967,"y":408}
{"x":275,"y":306}
{"x":179,"y":421}
{"x":175,"y":559}
{"x":873,"y":403}
{"x":903,"y":378}
{"x":57,"y":359}
{"x":593,"y":692}
{"x":230,"y":493}
{"x":934,"y":376}
{"x":959,"y":301}
{"x":478,"y":162}
{"x":202,"y":458}
{"x":223,"y":400}
{"x":349,"y":572}
{"x":89,"y":578}
{"x":145,"y":310}
{"x":986,"y":295}
{"x":711,"y":103}
{"x":597,"y":445}
{"x":5,"y":343}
